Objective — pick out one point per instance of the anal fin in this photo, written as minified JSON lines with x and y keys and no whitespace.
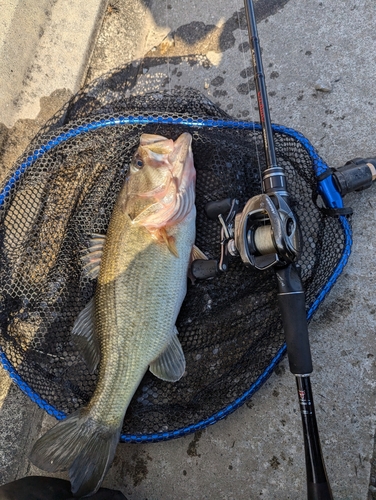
{"x":170,"y":364}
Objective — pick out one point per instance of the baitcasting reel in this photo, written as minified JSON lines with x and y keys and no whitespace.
{"x":264,"y":234}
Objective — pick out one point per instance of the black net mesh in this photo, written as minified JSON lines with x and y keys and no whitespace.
{"x":230,"y":326}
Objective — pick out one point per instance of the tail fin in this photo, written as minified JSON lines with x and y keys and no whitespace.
{"x":83,"y":446}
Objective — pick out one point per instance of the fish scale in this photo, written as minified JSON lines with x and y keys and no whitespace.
{"x":139,"y":328}
{"x":142,"y":267}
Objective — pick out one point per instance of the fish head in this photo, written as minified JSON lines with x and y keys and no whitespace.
{"x":150,"y":167}
{"x":161,"y":183}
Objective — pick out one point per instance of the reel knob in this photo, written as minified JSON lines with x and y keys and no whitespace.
{"x":218,"y":207}
{"x":202,"y":269}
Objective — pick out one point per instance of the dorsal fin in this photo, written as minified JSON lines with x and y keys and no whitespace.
{"x":92,"y":256}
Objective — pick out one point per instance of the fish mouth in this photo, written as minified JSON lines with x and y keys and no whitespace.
{"x":166,"y":152}
{"x":181,"y":160}
{"x":157,"y":144}
{"x":175,"y":198}
{"x":184,"y":176}
{"x":176,"y":156}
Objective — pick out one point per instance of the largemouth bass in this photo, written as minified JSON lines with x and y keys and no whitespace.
{"x":129,"y":325}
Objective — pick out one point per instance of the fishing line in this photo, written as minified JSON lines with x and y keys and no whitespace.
{"x":168,"y":58}
{"x":251,"y":107}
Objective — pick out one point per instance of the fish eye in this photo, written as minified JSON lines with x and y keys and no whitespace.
{"x":137,"y":162}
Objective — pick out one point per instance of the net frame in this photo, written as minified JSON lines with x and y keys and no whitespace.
{"x":42,"y":146}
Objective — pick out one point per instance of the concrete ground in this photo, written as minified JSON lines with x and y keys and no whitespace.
{"x":320,"y":72}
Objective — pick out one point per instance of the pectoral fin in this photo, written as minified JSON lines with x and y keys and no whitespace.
{"x":162,"y":236}
{"x":170,"y":365}
{"x":84,"y":336}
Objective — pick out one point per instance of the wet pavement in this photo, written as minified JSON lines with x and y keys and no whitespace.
{"x":320,"y":68}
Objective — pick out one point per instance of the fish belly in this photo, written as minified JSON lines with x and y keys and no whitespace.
{"x":140,"y":290}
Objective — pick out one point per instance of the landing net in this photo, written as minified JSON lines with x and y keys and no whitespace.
{"x":64,"y":188}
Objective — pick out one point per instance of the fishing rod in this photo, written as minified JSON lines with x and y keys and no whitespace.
{"x":266,"y":234}
{"x":279,"y":240}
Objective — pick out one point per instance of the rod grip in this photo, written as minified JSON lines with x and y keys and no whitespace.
{"x":291,"y":300}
